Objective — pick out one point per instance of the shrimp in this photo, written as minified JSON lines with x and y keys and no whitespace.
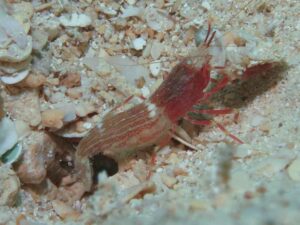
{"x":150,"y":122}
{"x":153,"y":121}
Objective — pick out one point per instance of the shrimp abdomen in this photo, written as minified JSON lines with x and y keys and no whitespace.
{"x":141,"y":126}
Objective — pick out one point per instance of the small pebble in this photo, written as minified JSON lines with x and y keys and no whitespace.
{"x":53,"y":118}
{"x":138,"y":43}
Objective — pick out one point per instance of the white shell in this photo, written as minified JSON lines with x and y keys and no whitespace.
{"x":15,"y":79}
{"x":8,"y":135}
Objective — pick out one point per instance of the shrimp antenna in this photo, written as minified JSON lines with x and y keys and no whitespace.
{"x":208,"y":32}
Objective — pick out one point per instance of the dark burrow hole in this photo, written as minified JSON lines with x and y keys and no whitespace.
{"x":102,"y":163}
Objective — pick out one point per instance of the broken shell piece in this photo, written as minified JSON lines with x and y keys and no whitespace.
{"x":12,"y":155}
{"x":8,"y":135}
{"x":15,"y":44}
{"x":16,"y":78}
{"x":75,"y":20}
{"x":9,"y":186}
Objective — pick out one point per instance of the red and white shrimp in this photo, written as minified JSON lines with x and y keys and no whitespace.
{"x":151,"y":122}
